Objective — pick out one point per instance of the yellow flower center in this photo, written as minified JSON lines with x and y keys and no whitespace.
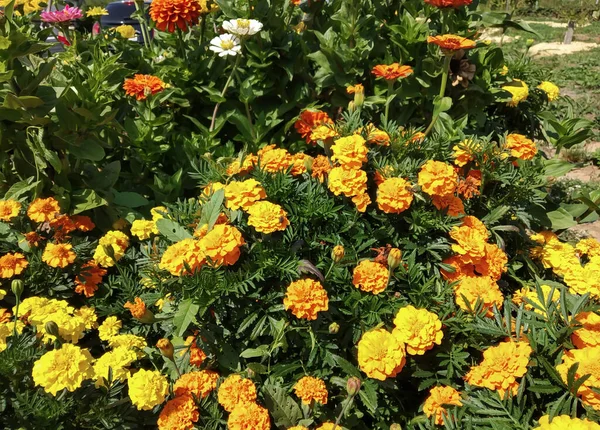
{"x":243,"y":23}
{"x":227,"y":44}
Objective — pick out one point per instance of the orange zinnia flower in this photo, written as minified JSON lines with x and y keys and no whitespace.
{"x":142,"y":86}
{"x":392,"y":71}
{"x":310,"y":120}
{"x":449,"y":3}
{"x":451,"y":42}
{"x":171,"y":14}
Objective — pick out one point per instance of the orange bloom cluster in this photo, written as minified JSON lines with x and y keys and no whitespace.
{"x":182,"y":253}
{"x":449,"y":3}
{"x":137,"y":308}
{"x":43,"y":210}
{"x":169,"y":15}
{"x":380,"y":354}
{"x":249,"y":416}
{"x":419,"y":329}
{"x":198,"y":384}
{"x":310,"y":389}
{"x":142,"y":86}
{"x":59,"y":255}
{"x":179,"y":413}
{"x":370,"y":276}
{"x":391,"y":72}
{"x":197,"y":356}
{"x":12,"y":264}
{"x":235,"y":391}
{"x":306,"y":298}
{"x":394,"y":195}
{"x":272,"y":159}
{"x":437,"y":178}
{"x":450,"y":43}
{"x":501,"y":366}
{"x":520,"y":146}
{"x":588,"y":359}
{"x":9,"y":209}
{"x":438,"y":397}
{"x":309,"y":120}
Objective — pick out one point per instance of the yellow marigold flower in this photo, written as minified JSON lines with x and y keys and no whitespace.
{"x":589,"y":247}
{"x":589,"y":332}
{"x":221,"y":245}
{"x":562,"y":422}
{"x":470,"y":242}
{"x":532,"y":301}
{"x":437,"y":178}
{"x":158,"y":212}
{"x":361,"y":201}
{"x":419,"y":329}
{"x":323,"y":132}
{"x":337,"y":253}
{"x":109,"y":328}
{"x":519,"y":91}
{"x":59,"y":255}
{"x":125,"y":31}
{"x":2,"y":295}
{"x":453,"y":205}
{"x":475,"y":288}
{"x":440,"y":396}
{"x":349,"y":182}
{"x":12,"y":264}
{"x":394,"y":195}
{"x":96,"y":12}
{"x":116,"y":362}
{"x":581,"y":280}
{"x":143,"y":229}
{"x":236,"y":390}
{"x":147,"y":389}
{"x":272,"y":159}
{"x":5,"y":332}
{"x":88,"y":315}
{"x":520,"y":146}
{"x":501,"y":366}
{"x":588,"y":359}
{"x":179,"y":413}
{"x":370,"y":276}
{"x":463,"y":152}
{"x":116,"y":243}
{"x":298,"y":428}
{"x":43,"y":210}
{"x":241,"y":168}
{"x":310,"y":389}
{"x":350,"y":152}
{"x":186,"y":250}
{"x":380,"y":355}
{"x":246,"y":416}
{"x":42,"y":310}
{"x":9,"y":209}
{"x":300,"y":163}
{"x":62,"y":368}
{"x":243,"y":194}
{"x":306,"y":298}
{"x":131,"y":341}
{"x":551,"y":90}
{"x":199,"y":384}
{"x":267,"y":217}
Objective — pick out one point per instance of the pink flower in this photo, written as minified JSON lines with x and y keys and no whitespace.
{"x":64,"y":15}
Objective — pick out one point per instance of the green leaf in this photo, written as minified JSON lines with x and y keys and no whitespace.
{"x":285,"y":411}
{"x":129,"y":199}
{"x":20,"y":188}
{"x":556,"y":167}
{"x":87,"y":150}
{"x":346,"y":366}
{"x":561,"y":219}
{"x":261,"y":351}
{"x":212,"y":209}
{"x":83,"y":200}
{"x":171,"y":230}
{"x":368,"y":395}
{"x":186,"y":313}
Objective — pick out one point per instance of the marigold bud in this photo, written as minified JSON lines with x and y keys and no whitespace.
{"x":334,"y":328}
{"x":119,"y":224}
{"x":353,"y":386}
{"x":250,"y":373}
{"x":530,"y":42}
{"x":394,"y":258}
{"x":395,"y":426}
{"x":17,"y":286}
{"x":52,"y":328}
{"x":337,"y":253}
{"x":166,"y":348}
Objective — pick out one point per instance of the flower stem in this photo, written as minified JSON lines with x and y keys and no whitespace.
{"x":16,"y":316}
{"x":229,"y":79}
{"x":250,"y":120}
{"x":343,"y":411}
{"x":390,"y":88}
{"x":445,"y":72}
{"x":139,"y":7}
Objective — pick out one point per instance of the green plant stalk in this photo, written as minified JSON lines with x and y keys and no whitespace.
{"x":390,"y":89}
{"x":142,"y":21}
{"x":181,"y":45}
{"x":445,"y":72}
{"x":229,"y":79}
{"x":18,"y":302}
{"x":250,"y":120}
{"x":343,"y":411}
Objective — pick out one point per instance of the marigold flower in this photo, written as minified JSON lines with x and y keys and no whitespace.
{"x":451,"y":43}
{"x":493,"y":263}
{"x":520,"y":146}
{"x":59,"y":255}
{"x":588,"y":359}
{"x":589,"y":332}
{"x":125,"y":31}
{"x":589,"y":247}
{"x":185,"y":252}
{"x":518,"y":90}
{"x":116,"y":243}
{"x":308,"y":121}
{"x":551,"y":90}
{"x":43,"y":210}
{"x":88,"y":315}
{"x":463,"y":152}
{"x":475,"y":288}
{"x":115,"y":362}
{"x":562,"y":422}
{"x":437,"y":178}
{"x":236,"y":390}
{"x":328,"y":426}
{"x":179,"y":413}
{"x":419,"y":329}
{"x":438,"y":397}
{"x":272,"y":159}
{"x":143,"y":229}
{"x":350,"y":151}
{"x":501,"y":366}
{"x":109,"y":328}
{"x":131,"y":341}
{"x":323,"y":132}
{"x":12,"y":264}
{"x":392,"y":71}
{"x":452,"y":204}
{"x":321,"y":166}
{"x":221,"y":245}
{"x":310,"y":389}
{"x":469,"y":187}
{"x":137,"y":309}
{"x":33,"y":239}
{"x":581,"y":280}
{"x":9,"y":209}
{"x":246,"y":416}
{"x":380,"y":355}
{"x":267,"y":217}
{"x":168,"y":15}
{"x":243,"y":194}
{"x":298,"y":428}
{"x":243,"y":167}
{"x":470,"y":242}
{"x":83,"y":223}
{"x":349,"y":182}
{"x":306,"y":298}
{"x":300,"y":163}
{"x":199,"y":384}
{"x":142,"y":86}
{"x":394,"y":195}
{"x":377,"y":136}
{"x":197,"y":356}
{"x":370,"y":276}
{"x":62,"y":368}
{"x":147,"y":389}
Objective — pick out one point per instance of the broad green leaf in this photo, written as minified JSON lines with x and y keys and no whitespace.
{"x":83,"y":200}
{"x":129,"y":199}
{"x":261,"y":351}
{"x":20,"y":188}
{"x":186,"y":313}
{"x":286,"y":412}
{"x":561,"y":219}
{"x":171,"y":230}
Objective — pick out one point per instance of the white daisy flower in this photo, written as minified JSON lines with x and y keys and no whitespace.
{"x":225,"y":44}
{"x":242,"y":27}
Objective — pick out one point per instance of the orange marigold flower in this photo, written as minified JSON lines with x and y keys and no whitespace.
{"x":247,"y":416}
{"x":243,"y":194}
{"x":59,"y":255}
{"x":377,"y":136}
{"x":142,"y":86}
{"x":361,"y":201}
{"x":200,"y":384}
{"x":33,"y":238}
{"x":168,"y":15}
{"x":391,"y":72}
{"x":236,"y":390}
{"x":323,"y":132}
{"x":310,"y":120}
{"x":90,"y":275}
{"x":588,"y":359}
{"x":451,"y":43}
{"x":186,"y":250}
{"x":370,"y":276}
{"x":437,"y":178}
{"x":461,"y":268}
{"x":501,"y":366}
{"x":449,"y":3}
{"x":83,"y":223}
{"x":463,"y":152}
{"x":245,"y":166}
{"x":469,"y":187}
{"x":320,"y":167}
{"x":452,"y":204}
{"x":179,"y":413}
{"x":440,"y":396}
{"x":267,"y":217}
{"x":350,"y":151}
{"x":380,"y":355}
{"x":137,"y":309}
{"x":562,"y":422}
{"x":12,"y":264}
{"x":272,"y":159}
{"x":419,"y":329}
{"x":43,"y":210}
{"x":300,"y":163}
{"x":358,"y":88}
{"x":493,"y":263}
{"x":471,"y":289}
{"x":62,"y":225}
{"x":349,"y":182}
{"x":197,"y":356}
{"x":9,"y":209}
{"x":394,"y":195}
{"x":310,"y":389}
{"x":306,"y":298}
{"x":520,"y":146}
{"x":470,"y":242}
{"x":589,"y":332}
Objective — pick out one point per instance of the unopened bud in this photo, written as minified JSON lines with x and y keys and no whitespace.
{"x":337,"y":253}
{"x":530,"y":43}
{"x":119,"y":224}
{"x":334,"y":328}
{"x":353,"y":386}
{"x":52,"y":328}
{"x":394,"y":258}
{"x":395,"y":426}
{"x":351,"y":106}
{"x":166,"y":348}
{"x":17,"y":286}
{"x":250,"y":373}
{"x":359,"y":98}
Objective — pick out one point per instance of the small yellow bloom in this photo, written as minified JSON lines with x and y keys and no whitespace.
{"x":96,"y":11}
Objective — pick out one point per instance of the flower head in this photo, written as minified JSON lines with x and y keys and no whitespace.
{"x":143,"y":229}
{"x":394,"y":195}
{"x":380,"y":355}
{"x":518,"y":90}
{"x":306,"y":298}
{"x":589,"y":332}
{"x":199,"y":384}
{"x":59,"y":255}
{"x":12,"y":264}
{"x":346,"y":181}
{"x":137,"y":309}
{"x":243,"y":194}
{"x":321,"y":166}
{"x":370,"y":276}
{"x":449,"y":43}
{"x":125,"y":31}
{"x":60,"y":16}
{"x":111,"y":248}
{"x":588,"y":359}
{"x":438,"y":397}
{"x":350,"y":151}
{"x":310,"y":389}
{"x":452,"y":204}
{"x":169,"y":15}
{"x":9,"y":209}
{"x":109,"y":328}
{"x":437,"y":178}
{"x":96,"y":12}
{"x":179,"y":413}
{"x":115,"y":363}
{"x":236,"y":390}
{"x":272,"y":159}
{"x":246,"y":416}
{"x":419,"y":329}
{"x":309,"y":121}
{"x":562,"y":422}
{"x":267,"y":217}
{"x":221,"y":245}
{"x":225,"y":44}
{"x":471,"y":289}
{"x":242,"y":27}
{"x":551,"y":90}
{"x":43,"y":210}
{"x":520,"y":146}
{"x":147,"y":389}
{"x":197,"y":356}
{"x":182,"y":255}
{"x":391,"y":72}
{"x":142,"y":86}
{"x":62,"y":368}
{"x":449,"y":3}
